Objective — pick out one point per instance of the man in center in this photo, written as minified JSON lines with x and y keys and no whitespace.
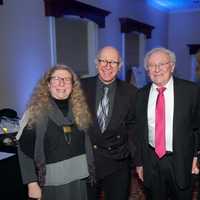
{"x":111,"y":103}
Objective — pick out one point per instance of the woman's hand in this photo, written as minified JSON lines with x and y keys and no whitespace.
{"x":34,"y":191}
{"x":139,"y":171}
{"x":195,"y":169}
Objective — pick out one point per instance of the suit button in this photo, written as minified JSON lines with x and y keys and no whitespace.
{"x":109,"y":148}
{"x":95,"y":146}
{"x":118,"y":136}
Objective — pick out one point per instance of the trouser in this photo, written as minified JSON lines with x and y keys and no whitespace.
{"x":163,"y":184}
{"x":115,"y":186}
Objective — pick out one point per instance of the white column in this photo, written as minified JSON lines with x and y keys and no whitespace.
{"x":122,"y":72}
{"x":193,"y":67}
{"x":92,"y":47}
{"x":52,"y":40}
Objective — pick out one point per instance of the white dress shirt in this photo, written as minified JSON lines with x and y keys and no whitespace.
{"x":169,"y":113}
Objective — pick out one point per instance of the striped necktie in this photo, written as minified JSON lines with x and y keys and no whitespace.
{"x":102,"y":111}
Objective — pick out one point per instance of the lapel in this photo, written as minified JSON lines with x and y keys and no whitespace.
{"x":117,"y":106}
{"x":144,"y":107}
{"x":92,"y":100}
{"x":177,"y":106}
{"x":92,"y":95}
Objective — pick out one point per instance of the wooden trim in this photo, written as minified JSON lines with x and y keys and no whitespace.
{"x":193,"y":48}
{"x":59,"y":8}
{"x":128,"y":25}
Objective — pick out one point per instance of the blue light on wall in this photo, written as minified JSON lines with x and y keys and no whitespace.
{"x":159,"y":4}
{"x":171,"y":4}
{"x":166,"y":4}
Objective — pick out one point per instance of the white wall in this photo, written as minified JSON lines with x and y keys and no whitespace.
{"x":172,"y":30}
{"x":135,"y":9}
{"x":184,"y":29}
{"x":25,"y":41}
{"x":24,"y":50}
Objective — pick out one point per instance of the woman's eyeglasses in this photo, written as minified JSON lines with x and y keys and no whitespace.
{"x":56,"y":80}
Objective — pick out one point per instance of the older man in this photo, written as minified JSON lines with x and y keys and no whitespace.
{"x":167,"y":117}
{"x":112,"y":105}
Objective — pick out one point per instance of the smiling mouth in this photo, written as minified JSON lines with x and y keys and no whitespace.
{"x":107,"y":72}
{"x":60,"y":90}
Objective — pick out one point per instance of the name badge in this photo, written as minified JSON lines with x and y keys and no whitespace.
{"x":67,"y":129}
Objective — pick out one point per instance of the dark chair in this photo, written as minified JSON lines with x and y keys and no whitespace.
{"x":8,"y":112}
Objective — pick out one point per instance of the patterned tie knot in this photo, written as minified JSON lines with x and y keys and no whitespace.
{"x":106,"y":91}
{"x":161,"y":90}
{"x":105,"y":100}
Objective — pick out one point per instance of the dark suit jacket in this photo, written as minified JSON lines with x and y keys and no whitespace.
{"x":185,"y":121}
{"x":112,"y":148}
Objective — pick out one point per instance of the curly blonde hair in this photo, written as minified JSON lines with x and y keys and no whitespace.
{"x":40,"y":99}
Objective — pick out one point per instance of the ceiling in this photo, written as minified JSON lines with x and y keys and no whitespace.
{"x":176,"y":5}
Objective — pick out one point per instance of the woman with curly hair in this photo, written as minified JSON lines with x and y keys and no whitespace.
{"x":55,"y":153}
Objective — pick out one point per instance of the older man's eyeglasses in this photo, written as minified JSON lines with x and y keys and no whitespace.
{"x":159,"y":65}
{"x":56,"y":80}
{"x":112,"y":63}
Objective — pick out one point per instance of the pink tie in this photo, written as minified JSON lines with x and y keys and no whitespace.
{"x":160,"y":148}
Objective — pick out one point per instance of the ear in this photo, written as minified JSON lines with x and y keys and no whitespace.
{"x":173,"y":67}
{"x":120,"y":66}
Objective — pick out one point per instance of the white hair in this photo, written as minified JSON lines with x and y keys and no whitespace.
{"x":170,"y":53}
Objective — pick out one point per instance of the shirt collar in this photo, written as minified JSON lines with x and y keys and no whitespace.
{"x":167,"y":86}
{"x":110,"y":86}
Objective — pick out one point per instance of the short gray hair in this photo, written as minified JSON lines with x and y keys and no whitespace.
{"x":170,"y":53}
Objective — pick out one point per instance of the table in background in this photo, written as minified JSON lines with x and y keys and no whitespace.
{"x":11,"y":187}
